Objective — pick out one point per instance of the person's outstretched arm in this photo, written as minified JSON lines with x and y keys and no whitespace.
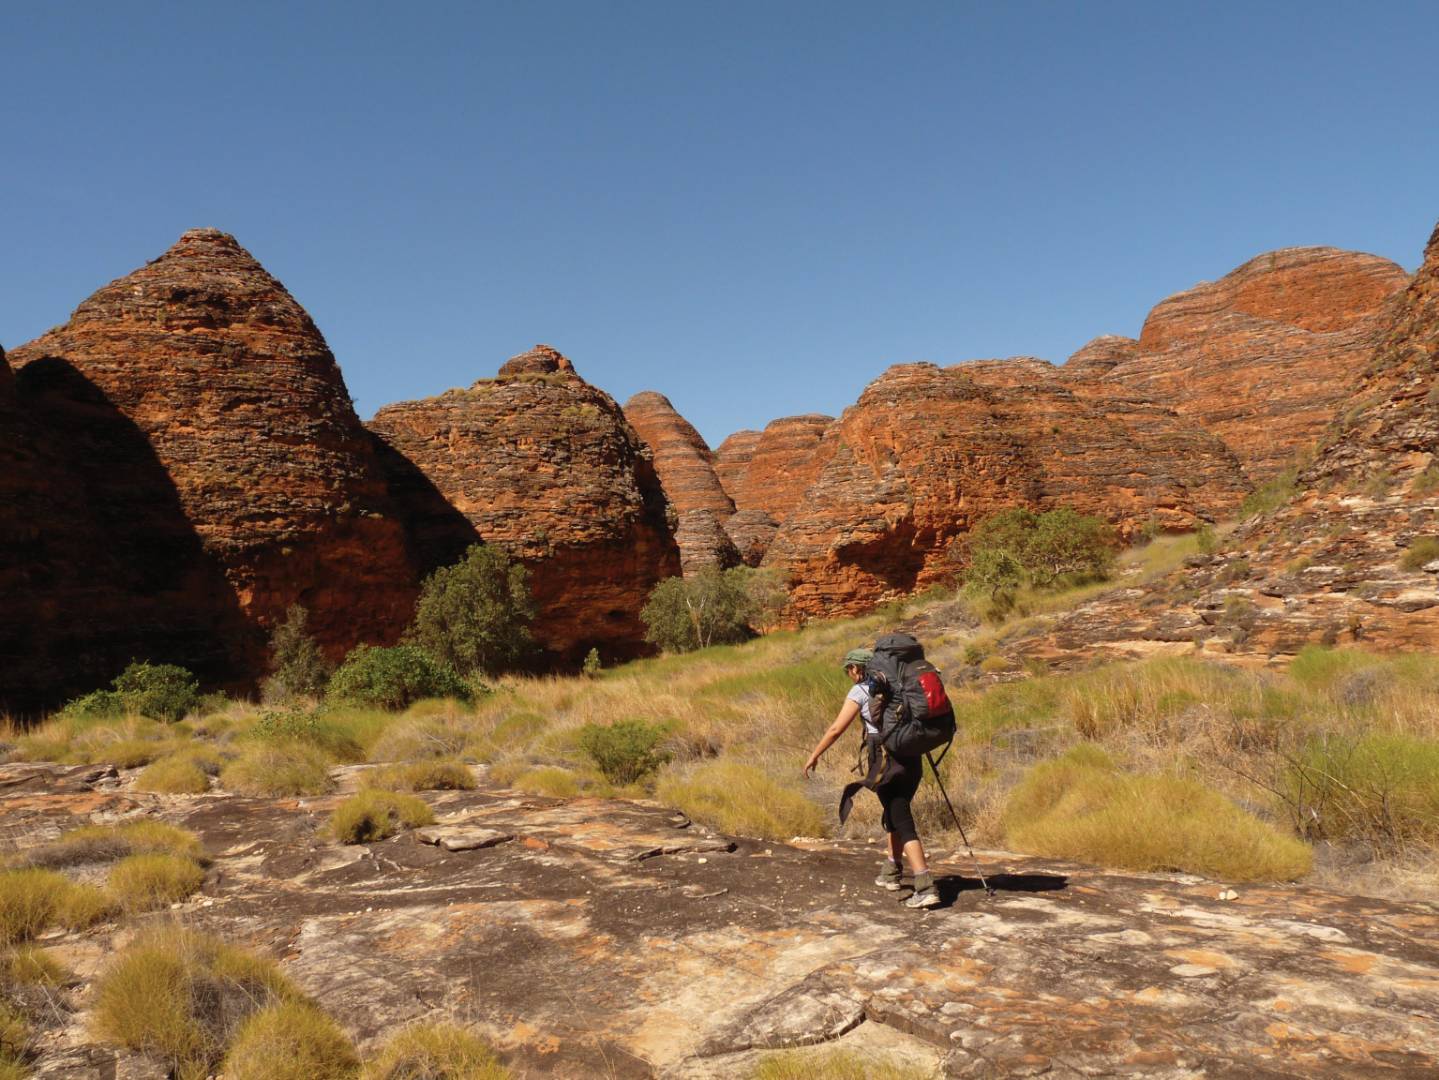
{"x":847,"y":712}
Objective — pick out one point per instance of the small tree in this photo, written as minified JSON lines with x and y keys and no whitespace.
{"x":1021,"y":546}
{"x":475,"y":615}
{"x":160,"y":691}
{"x":711,"y":608}
{"x":298,"y":668}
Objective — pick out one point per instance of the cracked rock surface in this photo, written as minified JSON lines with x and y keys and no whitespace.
{"x":601,"y":937}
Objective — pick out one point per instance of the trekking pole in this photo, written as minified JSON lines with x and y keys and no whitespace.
{"x":988,"y":890}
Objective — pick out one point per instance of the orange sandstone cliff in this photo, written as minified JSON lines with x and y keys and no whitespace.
{"x":205,"y":413}
{"x":543,"y":463}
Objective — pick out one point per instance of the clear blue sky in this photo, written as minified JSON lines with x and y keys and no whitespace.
{"x":751,"y":207}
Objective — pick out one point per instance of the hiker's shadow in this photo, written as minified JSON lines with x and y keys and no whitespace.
{"x":952,"y":885}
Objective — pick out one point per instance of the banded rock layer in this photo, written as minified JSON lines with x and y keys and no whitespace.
{"x":927,"y":452}
{"x":196,"y":402}
{"x":685,"y":465}
{"x":543,"y":463}
{"x":1265,"y":356}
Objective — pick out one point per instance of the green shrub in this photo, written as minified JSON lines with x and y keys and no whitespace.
{"x":1424,"y":549}
{"x":374,"y":814}
{"x":436,"y":1052}
{"x":1082,"y":807}
{"x":180,"y":996}
{"x":474,"y":616}
{"x":96,"y":704}
{"x":320,"y":730}
{"x":1381,"y":787}
{"x":741,"y":799}
{"x":277,"y":769}
{"x":1047,"y":550}
{"x":626,"y":751}
{"x":712,"y":607}
{"x":147,"y":882}
{"x":438,"y":775}
{"x":394,"y":678}
{"x":164,"y":692}
{"x":291,"y":1040}
{"x":297,"y":666}
{"x":592,"y":667}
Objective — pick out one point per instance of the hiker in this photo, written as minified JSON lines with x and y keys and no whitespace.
{"x":895,"y":787}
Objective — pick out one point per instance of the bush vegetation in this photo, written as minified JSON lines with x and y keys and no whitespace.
{"x":147,"y":882}
{"x":298,"y":669}
{"x":474,"y":616}
{"x":375,"y":814}
{"x":394,"y":678}
{"x":435,"y":1052}
{"x":1271,"y":495}
{"x":1424,"y":549}
{"x":175,"y":774}
{"x":1022,"y":548}
{"x":712,"y":607}
{"x":626,"y":751}
{"x":164,"y":692}
{"x":834,"y":1064}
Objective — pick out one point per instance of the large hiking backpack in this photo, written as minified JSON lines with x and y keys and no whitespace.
{"x":917,"y":716}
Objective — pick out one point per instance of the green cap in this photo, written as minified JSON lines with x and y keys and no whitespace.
{"x":858,"y":656}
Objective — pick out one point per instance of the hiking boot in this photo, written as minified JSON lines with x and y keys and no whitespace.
{"x":889,"y":877}
{"x":924,"y":898}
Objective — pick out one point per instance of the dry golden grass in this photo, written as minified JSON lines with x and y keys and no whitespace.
{"x":181,"y":996}
{"x":374,"y":814}
{"x":276,"y":769}
{"x":31,"y":966}
{"x":182,"y":773}
{"x":439,"y":774}
{"x":743,"y":800}
{"x":291,"y":1040}
{"x":148,"y":882}
{"x":834,"y":1065}
{"x":549,"y":780}
{"x":1081,"y":807}
{"x":106,"y":843}
{"x":435,"y":1052}
{"x":84,"y":906}
{"x":30,"y":902}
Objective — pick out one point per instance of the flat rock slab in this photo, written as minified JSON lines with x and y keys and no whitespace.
{"x":604,"y":938}
{"x":461,"y":837}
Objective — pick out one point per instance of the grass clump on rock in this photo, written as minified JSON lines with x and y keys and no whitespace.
{"x":436,"y":1052}
{"x":106,"y":843}
{"x":186,"y":773}
{"x":626,"y":751}
{"x":834,"y":1065}
{"x":374,"y":814}
{"x":181,"y":996}
{"x":443,"y":774}
{"x":31,"y":901}
{"x":147,"y":882}
{"x":291,"y":1040}
{"x":276,"y":769}
{"x":1082,"y":807}
{"x":742,"y":799}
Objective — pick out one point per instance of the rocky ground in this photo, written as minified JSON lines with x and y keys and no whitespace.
{"x":606,"y":938}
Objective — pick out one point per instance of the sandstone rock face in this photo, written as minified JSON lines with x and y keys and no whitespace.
{"x":732,"y":458}
{"x":543,"y":463}
{"x":927,"y":452}
{"x":1100,"y":356}
{"x":1327,"y":567}
{"x":606,"y":938}
{"x":685,"y":466}
{"x":1265,"y":356}
{"x":230,"y":427}
{"x":782,"y":464}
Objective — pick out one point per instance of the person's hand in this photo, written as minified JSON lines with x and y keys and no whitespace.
{"x":809,"y":765}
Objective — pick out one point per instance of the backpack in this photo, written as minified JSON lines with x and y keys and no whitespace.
{"x":917,"y":716}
